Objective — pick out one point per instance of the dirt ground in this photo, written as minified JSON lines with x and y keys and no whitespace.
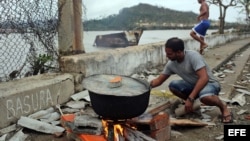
{"x":216,"y":132}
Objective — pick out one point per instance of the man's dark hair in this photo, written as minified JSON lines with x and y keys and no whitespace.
{"x":175,"y":44}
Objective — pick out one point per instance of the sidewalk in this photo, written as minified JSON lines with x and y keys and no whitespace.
{"x":217,"y":56}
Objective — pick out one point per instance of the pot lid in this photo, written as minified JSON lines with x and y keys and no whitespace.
{"x":106,"y":85}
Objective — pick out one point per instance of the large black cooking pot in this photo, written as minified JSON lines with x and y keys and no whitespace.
{"x":127,"y":101}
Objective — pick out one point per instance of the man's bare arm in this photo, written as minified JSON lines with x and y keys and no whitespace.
{"x":159,"y":80}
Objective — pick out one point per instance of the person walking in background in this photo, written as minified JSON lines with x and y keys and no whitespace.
{"x":197,"y":78}
{"x":199,"y":31}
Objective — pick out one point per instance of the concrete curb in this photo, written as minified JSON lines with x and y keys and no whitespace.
{"x":231,"y":56}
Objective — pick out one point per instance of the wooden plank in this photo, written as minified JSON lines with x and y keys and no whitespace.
{"x":152,"y":114}
{"x":186,"y":122}
{"x":158,"y":108}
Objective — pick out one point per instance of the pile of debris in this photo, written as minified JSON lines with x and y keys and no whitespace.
{"x":47,"y":121}
{"x":80,"y":122}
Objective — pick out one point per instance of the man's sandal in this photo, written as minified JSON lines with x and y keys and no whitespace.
{"x":224,"y":119}
{"x":204,"y":47}
{"x":202,"y":52}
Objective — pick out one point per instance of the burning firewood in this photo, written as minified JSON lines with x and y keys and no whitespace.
{"x":134,"y":135}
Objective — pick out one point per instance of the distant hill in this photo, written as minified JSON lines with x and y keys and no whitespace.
{"x":143,"y":16}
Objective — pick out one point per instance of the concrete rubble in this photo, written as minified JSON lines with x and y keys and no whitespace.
{"x":39,"y":126}
{"x":19,"y":136}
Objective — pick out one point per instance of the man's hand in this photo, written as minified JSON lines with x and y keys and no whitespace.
{"x":188,"y":106}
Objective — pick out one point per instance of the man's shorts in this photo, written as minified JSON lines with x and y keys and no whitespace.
{"x":186,"y":88}
{"x":201,"y":28}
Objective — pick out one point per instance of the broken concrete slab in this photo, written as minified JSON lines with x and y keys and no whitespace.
{"x":81,"y":95}
{"x":3,"y":137}
{"x":8,"y":129}
{"x":41,"y":113}
{"x":19,"y":136}
{"x":86,"y":120}
{"x":31,"y":94}
{"x":77,"y":104}
{"x":39,"y":126}
{"x":51,"y":117}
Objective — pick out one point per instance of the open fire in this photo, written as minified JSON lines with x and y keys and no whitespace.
{"x":88,"y":128}
{"x":122,"y":131}
{"x":113,"y":131}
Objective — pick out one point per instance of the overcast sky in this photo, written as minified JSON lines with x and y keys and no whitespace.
{"x":104,"y":8}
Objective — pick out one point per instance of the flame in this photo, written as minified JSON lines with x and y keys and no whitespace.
{"x":105,"y":127}
{"x":118,"y":130}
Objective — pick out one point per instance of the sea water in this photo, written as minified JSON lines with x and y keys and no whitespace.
{"x":148,"y":36}
{"x":13,"y":58}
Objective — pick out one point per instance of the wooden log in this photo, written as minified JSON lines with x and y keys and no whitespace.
{"x":181,"y":110}
{"x":120,"y":137}
{"x":119,"y":134}
{"x":159,"y":121}
{"x":187,"y":122}
{"x":134,"y":135}
{"x":151,"y":112}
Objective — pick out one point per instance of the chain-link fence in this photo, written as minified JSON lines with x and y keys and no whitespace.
{"x":28,"y":38}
